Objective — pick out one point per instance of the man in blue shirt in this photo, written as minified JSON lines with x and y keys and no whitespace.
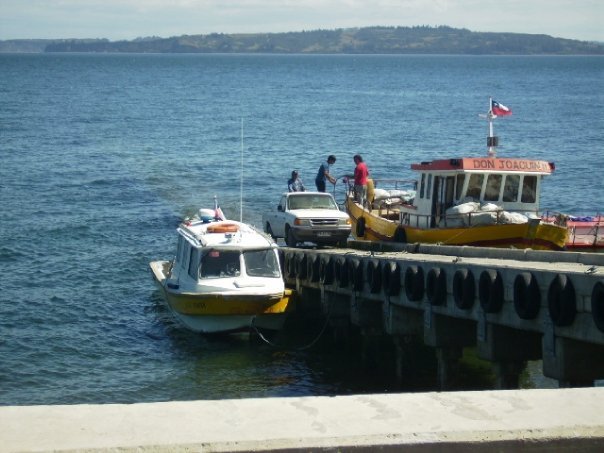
{"x":323,"y":174}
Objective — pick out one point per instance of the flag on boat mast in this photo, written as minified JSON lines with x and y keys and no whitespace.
{"x":218,"y":214}
{"x":498,"y":109}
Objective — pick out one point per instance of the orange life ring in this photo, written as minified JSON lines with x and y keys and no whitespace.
{"x":223,"y":228}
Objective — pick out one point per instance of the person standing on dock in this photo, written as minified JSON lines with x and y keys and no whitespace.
{"x":295,"y":183}
{"x":323,"y":174}
{"x":361,"y":173}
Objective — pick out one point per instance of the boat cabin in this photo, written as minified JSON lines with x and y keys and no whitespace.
{"x":511,"y":185}
{"x":224,"y":250}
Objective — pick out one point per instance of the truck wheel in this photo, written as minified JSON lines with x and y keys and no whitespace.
{"x":290,"y":240}
{"x":268,"y":230}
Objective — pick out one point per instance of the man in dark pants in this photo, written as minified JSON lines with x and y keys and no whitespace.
{"x":323,"y":174}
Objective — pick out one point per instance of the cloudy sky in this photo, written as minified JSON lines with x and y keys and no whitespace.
{"x":129,"y":19}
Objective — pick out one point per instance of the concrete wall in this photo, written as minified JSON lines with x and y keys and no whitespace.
{"x":527,"y":420}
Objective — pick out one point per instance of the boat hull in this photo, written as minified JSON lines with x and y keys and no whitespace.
{"x":538,"y":236}
{"x":222,"y":312}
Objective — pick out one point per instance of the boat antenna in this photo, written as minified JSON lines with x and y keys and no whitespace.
{"x":241,"y":178}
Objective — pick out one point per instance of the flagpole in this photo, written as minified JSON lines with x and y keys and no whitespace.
{"x":241,"y":178}
{"x":492,"y":141}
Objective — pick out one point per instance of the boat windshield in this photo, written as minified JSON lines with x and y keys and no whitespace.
{"x":261,"y":263}
{"x":220,"y":264}
{"x":312,"y":202}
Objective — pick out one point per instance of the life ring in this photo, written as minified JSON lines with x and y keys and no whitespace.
{"x":597,"y":305}
{"x":561,"y":301}
{"x":341,"y":272}
{"x":374,"y":275}
{"x":436,"y":286}
{"x":414,"y":283}
{"x":313,"y":268}
{"x":392,"y":278}
{"x":360,"y":228}
{"x":355,"y":274}
{"x":400,"y":235}
{"x":527,"y":297}
{"x":490,"y":291}
{"x":464,"y":289}
{"x":222,"y":227}
{"x":301,"y":266}
{"x":326,"y":270}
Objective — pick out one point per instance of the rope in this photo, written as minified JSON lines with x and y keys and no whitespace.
{"x":300,"y":348}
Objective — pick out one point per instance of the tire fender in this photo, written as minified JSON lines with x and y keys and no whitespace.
{"x":490,"y":291}
{"x":597,"y":305}
{"x":436,"y":286}
{"x":414,"y":283}
{"x":464,"y":289}
{"x":374,"y":275}
{"x":561,"y":301}
{"x":527,"y":297}
{"x":392,"y":278}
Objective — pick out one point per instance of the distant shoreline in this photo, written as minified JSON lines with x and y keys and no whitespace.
{"x":421,"y":40}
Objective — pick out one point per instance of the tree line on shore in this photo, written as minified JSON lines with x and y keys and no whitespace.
{"x":368,"y":40}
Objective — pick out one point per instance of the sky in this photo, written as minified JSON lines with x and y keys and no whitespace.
{"x":130,"y":19}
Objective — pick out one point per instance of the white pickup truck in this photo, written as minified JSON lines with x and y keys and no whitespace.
{"x":308,"y":217}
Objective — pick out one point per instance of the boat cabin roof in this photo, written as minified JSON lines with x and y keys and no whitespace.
{"x":226,"y":234}
{"x":486,"y":165}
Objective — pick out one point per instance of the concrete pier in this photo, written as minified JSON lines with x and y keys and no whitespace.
{"x":557,"y":420}
{"x":512,"y":306}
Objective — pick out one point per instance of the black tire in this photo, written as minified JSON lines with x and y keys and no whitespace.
{"x":360,"y":229}
{"x":436,"y":286}
{"x":527,"y":297}
{"x":392,"y":278}
{"x":268,"y":230}
{"x":464,"y":289}
{"x":355,"y":274}
{"x":327,"y":271}
{"x":490,"y":291}
{"x":290,"y":240}
{"x":400,"y":235}
{"x":561,"y":301}
{"x":341,"y":272}
{"x":374,"y":276}
{"x":301,"y":266}
{"x":597,"y":305}
{"x":313,"y":268}
{"x":414,"y":283}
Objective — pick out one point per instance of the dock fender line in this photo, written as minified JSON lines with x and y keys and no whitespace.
{"x":290,"y":261}
{"x":341,"y":272}
{"x":400,"y":235}
{"x":355,"y":273}
{"x":392,"y":278}
{"x":301,"y":266}
{"x":360,"y":229}
{"x":436,"y":286}
{"x":527,"y":297}
{"x":374,"y":275}
{"x":597,"y":305}
{"x":414,"y":283}
{"x":313,"y":268}
{"x":490,"y":291}
{"x":464,"y":289}
{"x":326,"y":270}
{"x":561,"y":301}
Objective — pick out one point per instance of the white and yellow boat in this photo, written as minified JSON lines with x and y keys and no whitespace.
{"x":225,"y":278}
{"x":478,"y":201}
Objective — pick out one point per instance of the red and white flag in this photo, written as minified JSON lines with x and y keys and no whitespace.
{"x":498,"y":109}
{"x":218,"y":214}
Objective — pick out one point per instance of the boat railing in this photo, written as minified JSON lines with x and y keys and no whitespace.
{"x":464,"y":220}
{"x":583,"y":230}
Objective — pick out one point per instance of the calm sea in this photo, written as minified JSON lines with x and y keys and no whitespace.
{"x":101,"y":155}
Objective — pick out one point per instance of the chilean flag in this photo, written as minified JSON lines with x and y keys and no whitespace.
{"x":498,"y":109}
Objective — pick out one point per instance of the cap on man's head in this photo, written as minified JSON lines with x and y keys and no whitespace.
{"x":331,"y":158}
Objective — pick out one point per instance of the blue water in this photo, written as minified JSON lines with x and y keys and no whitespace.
{"x":101,"y":155}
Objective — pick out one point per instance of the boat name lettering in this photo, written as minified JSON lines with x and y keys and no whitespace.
{"x":509,"y":164}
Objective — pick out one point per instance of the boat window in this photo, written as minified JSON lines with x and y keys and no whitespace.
{"x":193,"y":260}
{"x":510,"y":188}
{"x":220,"y":264}
{"x":475,"y":186}
{"x":421,"y":187}
{"x":261,"y":263}
{"x":529,"y":189}
{"x":180,"y":251}
{"x":491,"y":192}
{"x":429,"y":188}
{"x":459,"y":180}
